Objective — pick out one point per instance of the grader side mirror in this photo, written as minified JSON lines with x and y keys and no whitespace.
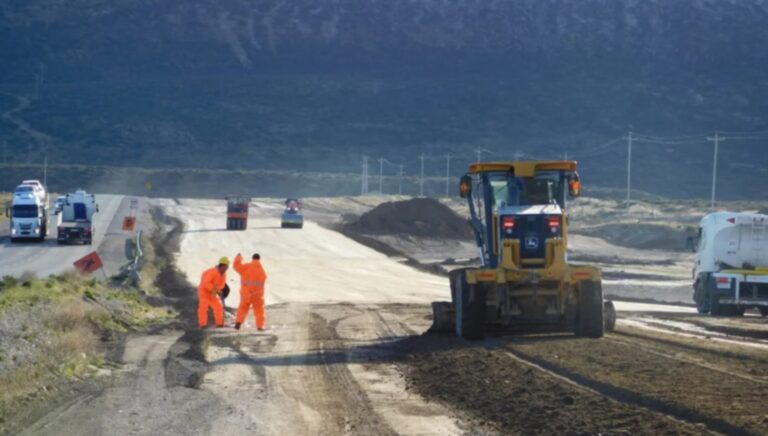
{"x":574,"y":186}
{"x":465,"y":186}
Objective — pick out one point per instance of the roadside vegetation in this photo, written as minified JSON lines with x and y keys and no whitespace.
{"x":63,"y":329}
{"x":5,"y":199}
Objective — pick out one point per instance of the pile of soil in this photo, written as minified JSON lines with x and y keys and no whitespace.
{"x":422,"y":217}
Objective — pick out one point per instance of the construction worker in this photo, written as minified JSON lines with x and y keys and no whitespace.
{"x":252,"y":279}
{"x":211,"y":285}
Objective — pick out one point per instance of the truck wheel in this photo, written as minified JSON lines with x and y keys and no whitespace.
{"x":701,"y":297}
{"x":470,"y":310}
{"x":589,"y":318}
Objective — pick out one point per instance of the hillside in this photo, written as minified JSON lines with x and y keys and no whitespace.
{"x":313,"y":86}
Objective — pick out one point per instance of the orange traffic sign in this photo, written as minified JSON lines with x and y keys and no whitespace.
{"x":88,"y":264}
{"x":129,"y":223}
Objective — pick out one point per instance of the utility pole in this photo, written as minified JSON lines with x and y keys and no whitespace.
{"x":479,"y":152}
{"x":716,"y":140}
{"x":400,"y":181}
{"x":629,"y":168}
{"x":517,"y":155}
{"x":447,"y":174}
{"x":364,"y":177}
{"x":5,"y":153}
{"x":421,"y":178}
{"x":45,"y":171}
{"x":381,"y":175}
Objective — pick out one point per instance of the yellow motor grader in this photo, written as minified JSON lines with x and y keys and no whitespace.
{"x":518,"y":214}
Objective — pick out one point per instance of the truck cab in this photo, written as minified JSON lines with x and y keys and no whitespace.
{"x":730,"y":273}
{"x":76,"y":218}
{"x":28,"y":216}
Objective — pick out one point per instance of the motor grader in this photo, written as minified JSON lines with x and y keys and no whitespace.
{"x":518,"y":214}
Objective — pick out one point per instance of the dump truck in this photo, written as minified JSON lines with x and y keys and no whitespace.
{"x":237,"y":212}
{"x":517,"y":211}
{"x":730,"y":272}
{"x":28,"y":215}
{"x":75,"y":218}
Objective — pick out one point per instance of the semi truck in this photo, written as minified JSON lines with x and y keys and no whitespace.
{"x":76,"y":218}
{"x":28,"y":215}
{"x":730,"y":273}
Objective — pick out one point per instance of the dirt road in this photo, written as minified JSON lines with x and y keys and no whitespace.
{"x":345,"y":353}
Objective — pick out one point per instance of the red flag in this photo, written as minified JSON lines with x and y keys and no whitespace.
{"x":128,"y":223}
{"x":88,"y":264}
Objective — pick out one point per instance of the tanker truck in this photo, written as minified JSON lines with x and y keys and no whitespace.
{"x":730,"y":273}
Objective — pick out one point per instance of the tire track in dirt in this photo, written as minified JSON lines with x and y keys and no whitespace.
{"x":680,"y":414}
{"x":627,"y":373}
{"x":496,"y":390}
{"x":728,"y":372}
{"x":357,"y":415}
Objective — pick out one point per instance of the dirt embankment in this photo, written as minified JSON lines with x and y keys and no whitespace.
{"x":642,"y":236}
{"x":420,"y":217}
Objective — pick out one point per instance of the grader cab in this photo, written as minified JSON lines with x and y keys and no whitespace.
{"x":518,"y":214}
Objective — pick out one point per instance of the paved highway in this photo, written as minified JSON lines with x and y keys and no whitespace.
{"x":47,"y":257}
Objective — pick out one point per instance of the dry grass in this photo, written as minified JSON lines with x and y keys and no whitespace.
{"x":5,"y":200}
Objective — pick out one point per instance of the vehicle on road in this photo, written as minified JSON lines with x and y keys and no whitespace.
{"x":28,"y":215}
{"x":292,"y":216}
{"x":518,"y":214}
{"x":731,"y":264}
{"x":38,"y":188}
{"x":58,"y":205}
{"x":76,"y":218}
{"x":237,"y":212}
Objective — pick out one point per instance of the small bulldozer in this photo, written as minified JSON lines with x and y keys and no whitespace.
{"x":237,"y":212}
{"x":524,"y":281}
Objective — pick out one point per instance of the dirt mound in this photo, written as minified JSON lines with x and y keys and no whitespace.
{"x":423,"y":217}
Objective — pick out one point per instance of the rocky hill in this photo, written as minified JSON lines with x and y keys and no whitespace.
{"x":314,"y":85}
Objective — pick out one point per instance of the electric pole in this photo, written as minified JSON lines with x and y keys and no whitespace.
{"x":45,"y":171}
{"x":629,"y":168}
{"x":716,"y":140}
{"x":381,"y":175}
{"x":479,"y":152}
{"x":5,"y":153}
{"x":447,"y":174}
{"x":400,"y":181}
{"x":421,"y":178}
{"x":364,"y":177}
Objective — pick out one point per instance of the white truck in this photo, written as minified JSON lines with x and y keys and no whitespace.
{"x":731,"y":270}
{"x":75,"y":221}
{"x":28,"y":216}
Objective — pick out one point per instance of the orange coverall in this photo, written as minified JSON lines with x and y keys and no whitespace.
{"x":252,"y":279}
{"x":211,"y":284}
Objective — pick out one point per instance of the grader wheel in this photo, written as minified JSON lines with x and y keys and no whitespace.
{"x":589,"y":317}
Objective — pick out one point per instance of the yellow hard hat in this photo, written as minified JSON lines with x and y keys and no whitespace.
{"x":224,"y":260}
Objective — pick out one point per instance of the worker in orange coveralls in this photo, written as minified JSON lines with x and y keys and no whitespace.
{"x":252,"y":279}
{"x":211,"y":284}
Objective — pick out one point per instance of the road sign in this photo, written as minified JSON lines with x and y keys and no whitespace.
{"x":129,"y":223}
{"x":88,"y":264}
